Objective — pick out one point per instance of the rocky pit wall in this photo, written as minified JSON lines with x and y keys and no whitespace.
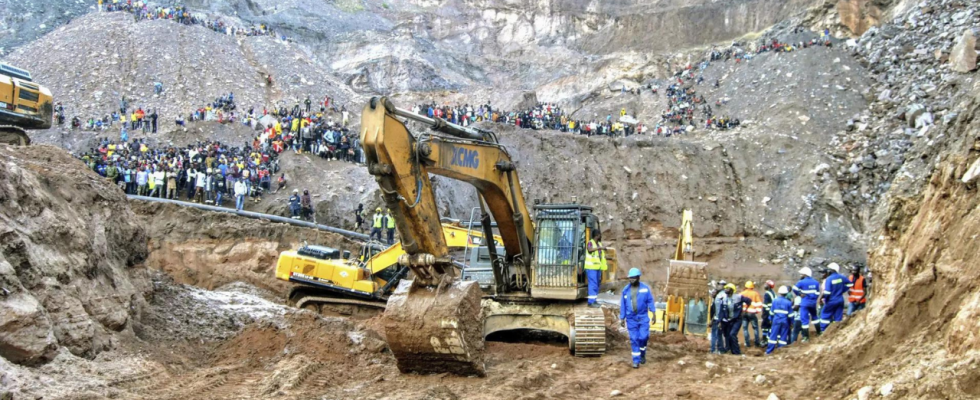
{"x":69,"y":245}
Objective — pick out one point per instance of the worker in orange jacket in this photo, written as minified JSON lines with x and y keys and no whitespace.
{"x":857,"y":298}
{"x":750,"y":313}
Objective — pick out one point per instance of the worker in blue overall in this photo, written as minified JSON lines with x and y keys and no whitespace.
{"x":634,"y":311}
{"x":809,"y":290}
{"x":779,"y":316}
{"x":834,"y":289}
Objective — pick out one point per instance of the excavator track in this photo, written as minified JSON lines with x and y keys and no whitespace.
{"x":14,"y":135}
{"x":587,"y":336}
{"x":326,"y":303}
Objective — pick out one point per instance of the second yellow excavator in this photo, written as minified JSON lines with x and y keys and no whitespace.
{"x":687,"y":294}
{"x":330,"y":281}
{"x":437,"y":322}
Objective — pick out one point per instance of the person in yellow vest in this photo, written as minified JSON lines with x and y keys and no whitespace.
{"x":390,"y":227}
{"x":378,"y":223}
{"x":595,"y":263}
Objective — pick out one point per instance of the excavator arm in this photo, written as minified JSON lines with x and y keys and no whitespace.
{"x":434,"y":323}
{"x":401,"y":164}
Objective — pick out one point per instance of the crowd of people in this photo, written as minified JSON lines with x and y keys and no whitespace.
{"x":206,"y":172}
{"x":128,"y":119}
{"x":786,"y":313}
{"x":180,"y":14}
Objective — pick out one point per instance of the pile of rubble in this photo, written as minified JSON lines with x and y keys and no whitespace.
{"x":921,"y":61}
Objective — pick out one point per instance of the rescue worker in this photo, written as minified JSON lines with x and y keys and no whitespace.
{"x":857,"y":297}
{"x":717,"y":338}
{"x":808,"y":289}
{"x":730,"y":314}
{"x":767,"y":300}
{"x":750,"y":314}
{"x":634,"y":314}
{"x":835,"y":287}
{"x":781,"y":308}
{"x":595,"y":263}
{"x":390,"y":227}
{"x":378,"y":223}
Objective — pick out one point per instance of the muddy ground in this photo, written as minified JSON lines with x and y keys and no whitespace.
{"x":234,"y":343}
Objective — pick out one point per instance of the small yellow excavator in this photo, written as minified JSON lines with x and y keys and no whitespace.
{"x":23,"y":105}
{"x":437,"y":322}
{"x":687,"y":293}
{"x":329,"y":281}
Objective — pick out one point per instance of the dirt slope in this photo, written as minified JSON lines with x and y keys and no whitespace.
{"x":68,"y":247}
{"x":209,"y":250}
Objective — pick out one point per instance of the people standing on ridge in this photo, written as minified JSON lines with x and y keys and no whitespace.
{"x":634,"y":314}
{"x":595,"y":264}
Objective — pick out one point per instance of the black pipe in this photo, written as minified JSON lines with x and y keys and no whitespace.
{"x":248,"y":214}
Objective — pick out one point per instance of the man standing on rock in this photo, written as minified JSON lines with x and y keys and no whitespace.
{"x":595,"y":263}
{"x":634,"y":314}
{"x":808,"y":289}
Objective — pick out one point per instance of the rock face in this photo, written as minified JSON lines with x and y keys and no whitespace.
{"x":68,"y":242}
{"x":963,"y":58}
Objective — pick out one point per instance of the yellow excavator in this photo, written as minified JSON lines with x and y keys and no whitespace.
{"x":437,"y":322}
{"x":23,"y":105}
{"x":687,"y":293}
{"x":329,"y":281}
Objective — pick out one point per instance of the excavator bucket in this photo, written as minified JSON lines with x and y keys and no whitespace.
{"x":687,"y":297}
{"x":436,"y":329}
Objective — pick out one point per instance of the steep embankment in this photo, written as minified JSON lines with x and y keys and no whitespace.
{"x":210,"y":250}
{"x":68,"y":247}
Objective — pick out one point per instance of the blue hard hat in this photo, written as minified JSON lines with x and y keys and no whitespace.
{"x":634,"y":273}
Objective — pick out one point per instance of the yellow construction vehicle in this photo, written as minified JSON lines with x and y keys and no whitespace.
{"x":437,"y":322}
{"x":687,"y":293}
{"x":329,"y":281}
{"x":23,"y":105}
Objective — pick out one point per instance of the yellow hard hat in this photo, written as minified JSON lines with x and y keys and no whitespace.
{"x":730,"y":286}
{"x":378,"y":209}
{"x":749,"y":285}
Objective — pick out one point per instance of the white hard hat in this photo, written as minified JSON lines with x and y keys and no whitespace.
{"x":806,"y":271}
{"x":834,"y":267}
{"x":783,"y":289}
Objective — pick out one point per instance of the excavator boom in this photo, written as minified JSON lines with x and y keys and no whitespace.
{"x":437,"y":322}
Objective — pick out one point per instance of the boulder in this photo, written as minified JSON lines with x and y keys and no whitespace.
{"x":963,"y":57}
{"x":26,"y":336}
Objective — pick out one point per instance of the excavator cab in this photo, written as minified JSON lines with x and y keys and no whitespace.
{"x":560,"y":236}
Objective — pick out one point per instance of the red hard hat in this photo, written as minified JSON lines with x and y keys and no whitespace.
{"x":770,"y":283}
